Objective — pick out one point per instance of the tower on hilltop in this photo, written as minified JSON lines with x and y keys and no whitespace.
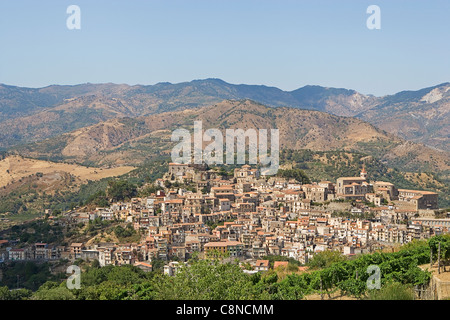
{"x":363,"y":173}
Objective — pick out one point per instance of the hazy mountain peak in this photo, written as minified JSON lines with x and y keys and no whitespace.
{"x":436,"y":94}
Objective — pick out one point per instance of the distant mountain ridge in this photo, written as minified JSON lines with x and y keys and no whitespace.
{"x":28,"y":115}
{"x":131,"y":141}
{"x":420,"y":116}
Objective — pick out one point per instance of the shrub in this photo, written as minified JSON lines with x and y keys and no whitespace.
{"x":392,"y":291}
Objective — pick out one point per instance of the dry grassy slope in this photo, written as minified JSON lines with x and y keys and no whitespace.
{"x":73,"y":107}
{"x":421,"y":117}
{"x":123,"y":141}
{"x":305,"y":129}
{"x":70,"y":115}
{"x":15,"y":168}
{"x":298,"y":128}
{"x":87,"y":142}
{"x":422,"y":179}
{"x":106,"y":135}
{"x":419,"y":157}
{"x":37,"y":114}
{"x":34,"y":114}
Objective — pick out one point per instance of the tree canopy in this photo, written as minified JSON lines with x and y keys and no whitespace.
{"x":121,"y":190}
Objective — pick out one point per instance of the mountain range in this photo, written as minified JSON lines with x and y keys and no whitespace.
{"x":131,"y":141}
{"x":33,"y":114}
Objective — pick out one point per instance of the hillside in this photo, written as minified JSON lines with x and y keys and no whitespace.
{"x":132,"y":141}
{"x":19,"y":101}
{"x":15,"y":168}
{"x":340,"y":102}
{"x":29,"y":115}
{"x":419,"y":116}
{"x":29,"y":186}
{"x":330,"y":165}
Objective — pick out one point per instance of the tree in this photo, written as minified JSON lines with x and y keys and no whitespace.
{"x":148,"y":190}
{"x":51,"y":291}
{"x":206,"y":280}
{"x":110,"y":290}
{"x":158,"y":265}
{"x":205,"y":190}
{"x":98,"y":199}
{"x":444,"y":240}
{"x":217,"y":255}
{"x":296,"y":174}
{"x":325,"y":259}
{"x":126,"y":232}
{"x":121,"y":190}
{"x":95,"y":264}
{"x":19,"y":294}
{"x":291,"y":267}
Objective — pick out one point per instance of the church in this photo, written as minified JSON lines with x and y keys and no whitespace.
{"x":353,"y":187}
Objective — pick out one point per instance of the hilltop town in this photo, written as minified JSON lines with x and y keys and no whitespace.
{"x":196,"y":210}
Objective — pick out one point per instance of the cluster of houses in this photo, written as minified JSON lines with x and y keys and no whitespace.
{"x":248,"y":216}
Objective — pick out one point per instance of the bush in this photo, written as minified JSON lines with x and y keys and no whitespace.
{"x":54,"y":293}
{"x":121,"y":190}
{"x":325,"y":259}
{"x":296,"y":174}
{"x":124,"y":232}
{"x":207,"y":280}
{"x":19,"y":294}
{"x":392,"y":291}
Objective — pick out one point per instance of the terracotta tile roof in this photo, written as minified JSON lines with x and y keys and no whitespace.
{"x":262,"y":263}
{"x":222,"y":244}
{"x":139,"y":263}
{"x":277,"y":264}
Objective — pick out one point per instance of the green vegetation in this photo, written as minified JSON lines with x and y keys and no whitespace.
{"x":28,"y":275}
{"x":296,"y":174}
{"x":127,"y":234}
{"x":99,"y":199}
{"x":19,"y":294}
{"x":110,"y":283}
{"x":213,"y":225}
{"x":53,"y":291}
{"x":212,"y":279}
{"x":325,"y":259}
{"x":148,"y":190}
{"x":273,"y":258}
{"x":392,"y":291}
{"x":37,"y":231}
{"x":330,"y":165}
{"x":28,"y":202}
{"x":96,"y":225}
{"x":208,"y":280}
{"x":349,"y":215}
{"x":121,"y":190}
{"x":444,"y":240}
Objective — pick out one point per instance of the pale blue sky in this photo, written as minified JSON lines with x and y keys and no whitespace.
{"x":287,"y":44}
